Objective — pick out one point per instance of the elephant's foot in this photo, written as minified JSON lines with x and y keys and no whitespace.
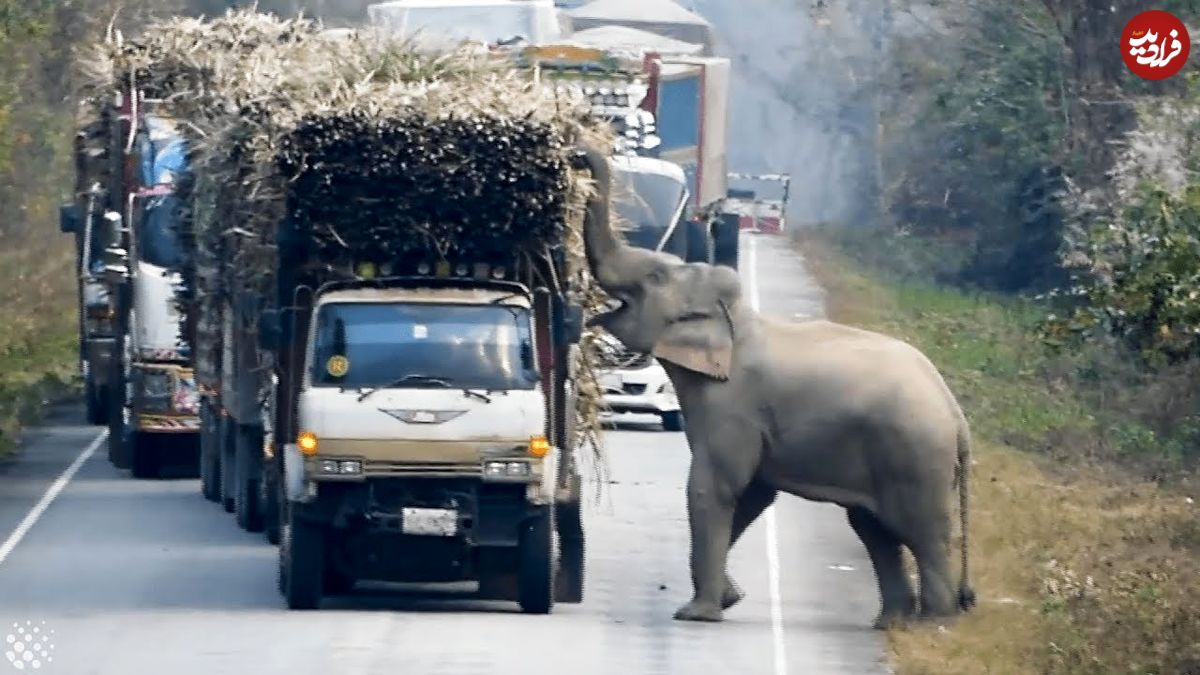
{"x":699,"y":611}
{"x":896,"y":614}
{"x":732,"y":596}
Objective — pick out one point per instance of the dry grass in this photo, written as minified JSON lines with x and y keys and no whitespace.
{"x":1081,"y":567}
{"x":38,"y":343}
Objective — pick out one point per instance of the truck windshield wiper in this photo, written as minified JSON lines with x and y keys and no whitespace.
{"x":477,"y":394}
{"x":423,"y":379}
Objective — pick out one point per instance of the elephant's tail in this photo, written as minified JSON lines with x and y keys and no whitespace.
{"x":966,"y":595}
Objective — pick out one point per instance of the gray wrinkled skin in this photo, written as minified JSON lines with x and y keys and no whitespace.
{"x":823,"y":411}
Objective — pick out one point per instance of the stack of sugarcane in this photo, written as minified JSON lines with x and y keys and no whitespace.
{"x":371,"y":148}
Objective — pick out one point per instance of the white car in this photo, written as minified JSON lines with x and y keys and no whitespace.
{"x":636,"y":383}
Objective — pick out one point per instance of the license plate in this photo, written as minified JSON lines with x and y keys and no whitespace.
{"x":435,"y":522}
{"x":611,"y":382}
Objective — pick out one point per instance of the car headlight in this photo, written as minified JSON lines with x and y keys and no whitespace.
{"x":507,"y":469}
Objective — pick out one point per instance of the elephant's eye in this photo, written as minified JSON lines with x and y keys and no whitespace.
{"x":658,"y":277}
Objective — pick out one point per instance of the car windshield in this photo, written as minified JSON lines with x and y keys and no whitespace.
{"x":648,"y":203}
{"x":422,"y":345}
{"x":158,"y":233}
{"x":487,"y":23}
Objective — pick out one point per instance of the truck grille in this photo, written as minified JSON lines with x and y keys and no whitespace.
{"x":614,"y":356}
{"x":433,"y":469}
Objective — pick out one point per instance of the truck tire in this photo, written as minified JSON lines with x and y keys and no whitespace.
{"x":248,"y":462}
{"x":121,"y":419}
{"x":210,"y":459}
{"x":672,"y":421}
{"x":145,"y":459}
{"x":272,"y":500}
{"x":225,"y":449}
{"x":302,"y":563}
{"x":535,"y":577}
{"x":96,"y":399}
{"x":697,"y":242}
{"x":569,"y":584}
{"x":725,"y":242}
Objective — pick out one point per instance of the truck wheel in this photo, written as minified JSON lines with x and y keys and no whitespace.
{"x":672,"y":421}
{"x":97,"y":402}
{"x":301,"y":564}
{"x":725,"y":242}
{"x":272,"y":500}
{"x":535,"y":583}
{"x":145,"y":460}
{"x":569,"y":584}
{"x":248,"y":454}
{"x":121,"y":419}
{"x":210,"y":461}
{"x":228,"y":464}
{"x":697,"y":242}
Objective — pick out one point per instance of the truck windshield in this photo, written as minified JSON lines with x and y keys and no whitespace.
{"x":461,"y":346}
{"x":648,"y":203}
{"x":158,"y":234}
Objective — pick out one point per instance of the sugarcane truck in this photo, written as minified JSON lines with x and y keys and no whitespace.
{"x":137,"y":373}
{"x":410,"y":421}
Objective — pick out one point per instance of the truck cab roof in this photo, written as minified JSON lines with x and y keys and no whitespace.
{"x":649,"y":165}
{"x":427,"y":294}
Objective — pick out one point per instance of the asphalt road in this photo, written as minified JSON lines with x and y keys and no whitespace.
{"x":126,"y":577}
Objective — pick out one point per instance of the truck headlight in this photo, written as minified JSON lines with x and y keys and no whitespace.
{"x":507,"y":469}
{"x":340,"y":467}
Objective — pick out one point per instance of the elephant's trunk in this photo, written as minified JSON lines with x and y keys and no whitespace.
{"x":605,"y":251}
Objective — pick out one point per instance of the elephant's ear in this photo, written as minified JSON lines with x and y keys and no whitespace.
{"x":701,"y":340}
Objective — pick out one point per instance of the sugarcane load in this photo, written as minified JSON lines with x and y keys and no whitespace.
{"x":382,"y":278}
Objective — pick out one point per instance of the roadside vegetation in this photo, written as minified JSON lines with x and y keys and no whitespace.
{"x":1083,"y":567}
{"x":1037,"y":234}
{"x":38,"y":343}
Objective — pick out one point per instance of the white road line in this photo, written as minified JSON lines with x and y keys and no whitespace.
{"x":772,"y":529}
{"x":56,"y":487}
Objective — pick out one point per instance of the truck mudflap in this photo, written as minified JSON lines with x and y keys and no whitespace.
{"x":295,"y":484}
{"x":545,"y":493}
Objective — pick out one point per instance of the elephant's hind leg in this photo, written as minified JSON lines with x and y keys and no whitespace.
{"x":883,"y":547}
{"x":754,"y":500}
{"x":931,"y":549}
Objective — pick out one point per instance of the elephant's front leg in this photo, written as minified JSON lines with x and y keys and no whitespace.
{"x":710,"y":515}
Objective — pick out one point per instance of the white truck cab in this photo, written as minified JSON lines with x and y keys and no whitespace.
{"x":650,"y":196}
{"x":433,"y":382}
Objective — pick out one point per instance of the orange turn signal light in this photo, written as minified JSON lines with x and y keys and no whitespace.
{"x":539,"y":447}
{"x":307,"y":441}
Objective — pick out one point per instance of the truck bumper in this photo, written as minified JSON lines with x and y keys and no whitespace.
{"x":168,"y":424}
{"x":422,"y":530}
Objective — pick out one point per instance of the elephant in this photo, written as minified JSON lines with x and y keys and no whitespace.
{"x":827,"y":412}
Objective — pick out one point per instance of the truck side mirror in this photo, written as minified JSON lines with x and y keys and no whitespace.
{"x":572,"y":324}
{"x":68,"y":218}
{"x":270,"y":330}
